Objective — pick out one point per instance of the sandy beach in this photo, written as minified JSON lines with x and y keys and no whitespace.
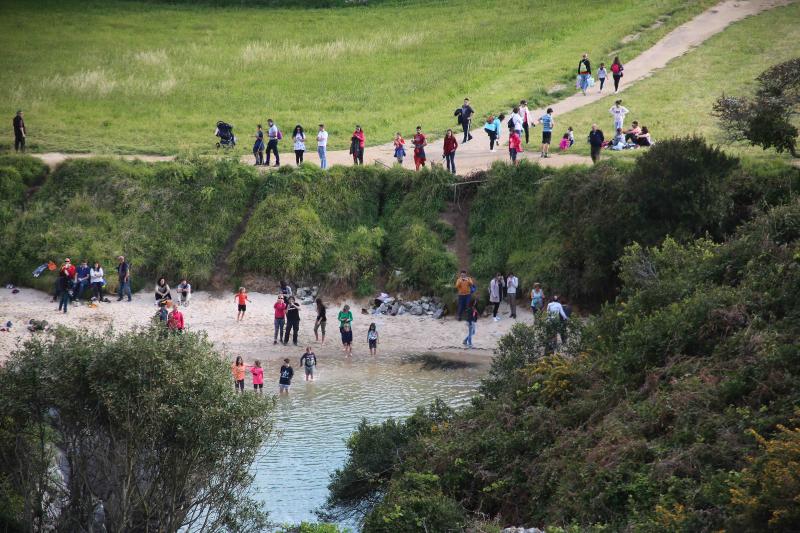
{"x":252,"y":338}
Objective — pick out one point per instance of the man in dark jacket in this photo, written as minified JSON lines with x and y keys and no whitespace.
{"x":466,"y":119}
{"x":596,"y":142}
{"x":292,"y":321}
{"x":20,"y":134}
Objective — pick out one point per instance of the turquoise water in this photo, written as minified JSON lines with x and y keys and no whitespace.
{"x":316,"y":419}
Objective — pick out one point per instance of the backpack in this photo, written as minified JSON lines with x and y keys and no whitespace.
{"x":280,"y":135}
{"x":511,"y":122}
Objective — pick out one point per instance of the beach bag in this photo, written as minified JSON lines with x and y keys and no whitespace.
{"x":578,"y":81}
{"x":590,"y":82}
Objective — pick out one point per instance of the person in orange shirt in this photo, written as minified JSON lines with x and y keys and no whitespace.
{"x":465,"y":286}
{"x":238,"y":369}
{"x":242,"y":299}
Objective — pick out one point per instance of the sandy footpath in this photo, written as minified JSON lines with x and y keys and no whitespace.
{"x":252,"y":338}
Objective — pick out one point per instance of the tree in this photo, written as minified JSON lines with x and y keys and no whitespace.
{"x":139,"y":431}
{"x":766,"y":119}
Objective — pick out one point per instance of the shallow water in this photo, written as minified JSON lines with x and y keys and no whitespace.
{"x":316,"y":419}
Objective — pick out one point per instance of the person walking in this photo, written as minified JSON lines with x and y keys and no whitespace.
{"x":472,"y":319}
{"x":490,"y":127}
{"x":618,"y":111}
{"x":601,"y":76}
{"x":274,"y":135}
{"x":321,"y":321}
{"x":585,"y":72}
{"x":514,"y":144}
{"x":299,"y":137}
{"x":309,"y":363}
{"x":516,"y":121}
{"x":466,"y":120}
{"x":357,"y":146}
{"x":537,"y":298}
{"x":596,"y":142}
{"x":512,"y":283}
{"x":20,"y":133}
{"x":96,"y":281}
{"x":258,"y":146}
{"x":450,"y":145}
{"x":280,"y":319}
{"x":525,"y":113}
{"x":420,"y":142}
{"x":285,"y":377}
{"x":465,"y":286}
{"x":124,"y":275}
{"x":399,"y":148}
{"x":495,"y":294}
{"x":548,"y":124}
{"x":322,"y":147}
{"x":292,"y":322}
{"x":616,"y":72}
{"x":372,"y":339}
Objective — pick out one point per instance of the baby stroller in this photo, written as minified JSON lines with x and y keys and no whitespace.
{"x":225,"y":133}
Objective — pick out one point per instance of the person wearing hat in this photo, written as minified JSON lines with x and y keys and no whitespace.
{"x":20,"y":133}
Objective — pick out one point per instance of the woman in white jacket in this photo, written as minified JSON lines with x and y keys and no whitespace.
{"x":496,"y":293}
{"x":96,"y":281}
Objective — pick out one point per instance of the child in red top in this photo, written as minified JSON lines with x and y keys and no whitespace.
{"x":242,"y":299}
{"x":399,"y":147}
{"x":258,"y":377}
{"x":357,"y":142}
{"x":237,"y":369}
{"x":514,"y":144}
{"x":420,"y":143}
{"x":450,"y":145}
{"x":175,"y":320}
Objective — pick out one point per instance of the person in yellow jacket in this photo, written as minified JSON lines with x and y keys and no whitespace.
{"x":465,"y":286}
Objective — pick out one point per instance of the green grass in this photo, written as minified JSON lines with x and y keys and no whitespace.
{"x":677,"y":100}
{"x":150,"y":77}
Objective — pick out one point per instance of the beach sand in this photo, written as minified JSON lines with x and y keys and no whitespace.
{"x":252,"y":338}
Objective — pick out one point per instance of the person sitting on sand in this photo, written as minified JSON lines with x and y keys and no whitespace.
{"x":185,"y":291}
{"x":162,"y":290}
{"x":258,"y":377}
{"x":175,"y":320}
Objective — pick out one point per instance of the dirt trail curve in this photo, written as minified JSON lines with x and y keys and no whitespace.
{"x":475,"y":154}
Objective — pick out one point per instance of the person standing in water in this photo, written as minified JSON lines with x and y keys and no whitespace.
{"x":372,"y":339}
{"x":285,"y":377}
{"x":321,"y":321}
{"x":258,"y":377}
{"x":238,"y":369}
{"x":347,"y":339}
{"x":345,"y":318}
{"x":309,"y":362}
{"x":258,"y":146}
{"x":322,"y":147}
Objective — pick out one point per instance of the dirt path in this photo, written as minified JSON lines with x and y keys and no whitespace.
{"x":475,"y":155}
{"x":222,"y":266}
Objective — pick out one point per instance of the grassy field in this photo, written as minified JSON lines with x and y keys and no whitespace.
{"x":677,"y":100}
{"x":150,"y":77}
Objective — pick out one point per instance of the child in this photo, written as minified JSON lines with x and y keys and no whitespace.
{"x":537,"y":298}
{"x":258,"y":377}
{"x":571,"y":136}
{"x":601,"y":75}
{"x":399,"y":148}
{"x":347,"y":339}
{"x":238,"y":368}
{"x":163,"y":313}
{"x":372,"y":339}
{"x":258,"y":146}
{"x":242,"y":299}
{"x":618,"y":143}
{"x":309,"y":361}
{"x":618,"y":111}
{"x":514,"y":144}
{"x":564,"y":144}
{"x":285,"y":380}
{"x":175,"y":320}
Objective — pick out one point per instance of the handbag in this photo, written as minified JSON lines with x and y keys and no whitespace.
{"x":578,"y":81}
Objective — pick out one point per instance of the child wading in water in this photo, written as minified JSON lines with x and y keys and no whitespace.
{"x":309,"y":362}
{"x":347,"y":339}
{"x":242,"y":299}
{"x":286,"y":375}
{"x":399,"y":147}
{"x":258,"y":377}
{"x":372,"y":339}
{"x":238,"y":369}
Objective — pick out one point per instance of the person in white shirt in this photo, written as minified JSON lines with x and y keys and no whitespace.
{"x":516,"y":121}
{"x":96,"y":281}
{"x":272,"y":144}
{"x":322,"y":146}
{"x":618,"y":112}
{"x":185,"y":291}
{"x":512,"y":282}
{"x":526,"y":118}
{"x":556,"y":310}
{"x":496,"y":293}
{"x":299,"y":137}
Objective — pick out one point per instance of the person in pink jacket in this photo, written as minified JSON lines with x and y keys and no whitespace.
{"x":514,"y":144}
{"x":357,"y":146}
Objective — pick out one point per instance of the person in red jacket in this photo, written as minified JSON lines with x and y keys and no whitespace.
{"x":514,"y":144}
{"x":357,"y":146}
{"x":175,"y":320}
{"x":420,"y":142}
{"x":450,"y":145}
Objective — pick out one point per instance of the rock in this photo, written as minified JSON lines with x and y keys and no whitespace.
{"x":401,"y":311}
{"x":425,"y":299}
{"x":438,"y":313}
{"x":383,"y":308}
{"x":416,"y":310}
{"x":308,"y":300}
{"x":395,"y":310}
{"x":426,"y":306}
{"x":364,"y":311}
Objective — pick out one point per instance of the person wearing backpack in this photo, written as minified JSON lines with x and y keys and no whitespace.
{"x":274,"y":135}
{"x":616,"y":72}
{"x":584,"y":71}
